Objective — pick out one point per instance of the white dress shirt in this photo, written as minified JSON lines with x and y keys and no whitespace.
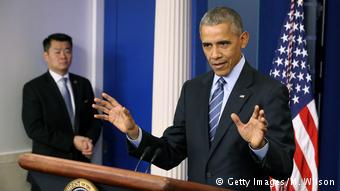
{"x":58,"y":79}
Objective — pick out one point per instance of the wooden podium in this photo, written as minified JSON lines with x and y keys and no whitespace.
{"x":108,"y":175}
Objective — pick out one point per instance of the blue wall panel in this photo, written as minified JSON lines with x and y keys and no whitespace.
{"x":199,"y":62}
{"x":272,"y":15}
{"x":330,"y":123}
{"x":128,"y":70}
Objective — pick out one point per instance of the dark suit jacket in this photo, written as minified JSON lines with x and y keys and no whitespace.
{"x":229,"y":156}
{"x":46,"y":121}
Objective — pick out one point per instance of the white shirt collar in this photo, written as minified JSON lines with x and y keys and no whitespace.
{"x":232,"y":77}
{"x":57,"y":77}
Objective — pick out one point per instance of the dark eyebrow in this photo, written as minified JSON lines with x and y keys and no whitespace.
{"x":59,"y":49}
{"x":224,"y":42}
{"x":206,"y":43}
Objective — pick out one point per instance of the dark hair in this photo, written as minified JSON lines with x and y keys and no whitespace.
{"x":57,"y":37}
{"x":220,"y":15}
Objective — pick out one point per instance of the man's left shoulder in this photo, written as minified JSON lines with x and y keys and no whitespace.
{"x":78,"y":78}
{"x":263,"y":79}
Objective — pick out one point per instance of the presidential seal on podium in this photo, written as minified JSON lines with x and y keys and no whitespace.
{"x":80,"y":184}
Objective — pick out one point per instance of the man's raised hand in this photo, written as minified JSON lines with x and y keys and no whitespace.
{"x":116,"y":114}
{"x":254,"y":130}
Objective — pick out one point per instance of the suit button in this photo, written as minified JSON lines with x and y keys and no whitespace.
{"x":209,"y":175}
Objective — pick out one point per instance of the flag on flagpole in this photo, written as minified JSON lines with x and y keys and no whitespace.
{"x":291,"y":68}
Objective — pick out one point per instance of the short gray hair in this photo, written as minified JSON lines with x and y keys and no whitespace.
{"x":220,"y":15}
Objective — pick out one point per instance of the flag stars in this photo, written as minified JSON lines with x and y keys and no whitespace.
{"x":290,"y":64}
{"x":287,"y":26}
{"x":297,"y":14}
{"x":308,"y":77}
{"x":295,"y":27}
{"x":289,"y":87}
{"x":299,"y":39}
{"x":297,"y":52}
{"x":289,"y":50}
{"x":295,"y":99}
{"x":287,"y":62}
{"x":278,"y":61}
{"x":292,"y":75}
{"x":302,"y":28}
{"x":276,"y":73}
{"x":297,"y":88}
{"x":290,"y":14}
{"x":284,"y":38}
{"x":300,"y":76}
{"x":306,"y":89}
{"x":295,"y":63}
{"x":304,"y":53}
{"x":282,"y":50}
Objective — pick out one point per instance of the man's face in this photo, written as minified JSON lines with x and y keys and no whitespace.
{"x":59,"y":56}
{"x":222,"y":46}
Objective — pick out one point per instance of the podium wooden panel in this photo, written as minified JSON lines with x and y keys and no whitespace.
{"x":108,"y":175}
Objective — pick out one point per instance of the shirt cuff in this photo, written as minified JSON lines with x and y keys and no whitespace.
{"x":261,"y":153}
{"x":136,"y":142}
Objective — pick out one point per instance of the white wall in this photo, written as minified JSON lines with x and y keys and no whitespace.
{"x":23,"y":26}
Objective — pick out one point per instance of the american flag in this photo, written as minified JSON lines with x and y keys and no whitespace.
{"x":290,"y":67}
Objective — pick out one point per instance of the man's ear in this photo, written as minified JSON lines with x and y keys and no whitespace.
{"x":244,"y":39}
{"x":45,"y":56}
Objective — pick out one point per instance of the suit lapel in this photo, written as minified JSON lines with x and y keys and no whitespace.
{"x":204,"y":100}
{"x":53,"y":87}
{"x":238,"y":97}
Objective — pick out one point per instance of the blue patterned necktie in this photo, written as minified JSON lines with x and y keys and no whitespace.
{"x":215,"y":105}
{"x":67,"y":98}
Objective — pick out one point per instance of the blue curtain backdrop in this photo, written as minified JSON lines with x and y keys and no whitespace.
{"x":199,"y":64}
{"x":272,"y":15}
{"x":330,"y":124}
{"x":128,"y":69}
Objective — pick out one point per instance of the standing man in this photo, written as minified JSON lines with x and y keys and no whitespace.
{"x":232,"y":123}
{"x":56,"y":111}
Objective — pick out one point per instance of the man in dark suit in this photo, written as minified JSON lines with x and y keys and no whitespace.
{"x":56,"y":111}
{"x":209,"y":126}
